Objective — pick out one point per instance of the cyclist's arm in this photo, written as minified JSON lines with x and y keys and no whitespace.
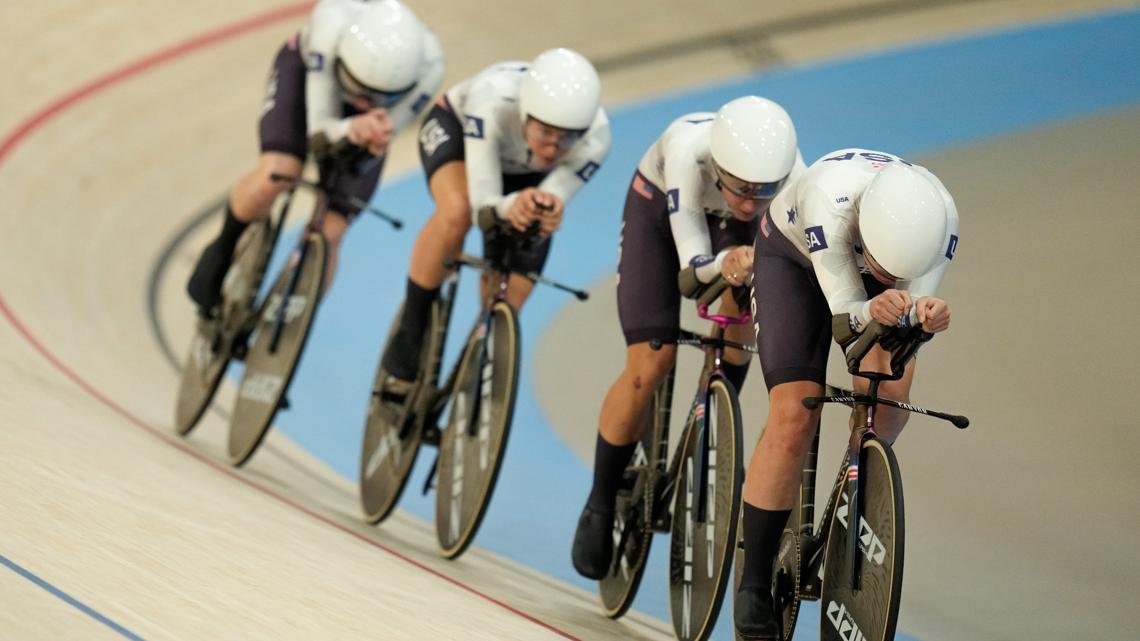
{"x":829,"y":238}
{"x":683,"y":188}
{"x":484,"y":165}
{"x":322,"y":101}
{"x":405,"y":112}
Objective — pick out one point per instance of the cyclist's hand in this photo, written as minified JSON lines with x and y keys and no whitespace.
{"x":737,"y":265}
{"x":889,"y":306}
{"x":933,"y":313}
{"x":524,"y":209}
{"x":550,"y":210}
{"x":372,"y":130}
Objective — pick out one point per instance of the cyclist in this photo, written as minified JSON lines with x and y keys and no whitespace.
{"x":860,"y":232}
{"x":693,"y":202}
{"x":517,"y":140}
{"x":357,"y":70}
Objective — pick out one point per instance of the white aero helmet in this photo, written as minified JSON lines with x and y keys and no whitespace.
{"x":561,"y":89}
{"x":753,"y":147}
{"x":380,"y":54}
{"x":902,"y":219}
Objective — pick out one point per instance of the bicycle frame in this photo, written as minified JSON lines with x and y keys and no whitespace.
{"x":499,"y":273}
{"x":713,"y":345}
{"x":850,"y":473}
{"x":336,"y":160}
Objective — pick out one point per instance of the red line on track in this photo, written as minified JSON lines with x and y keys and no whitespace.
{"x":12,"y":140}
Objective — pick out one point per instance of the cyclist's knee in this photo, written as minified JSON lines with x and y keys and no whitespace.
{"x":333,"y":229}
{"x":454,"y":214}
{"x":260,"y":188}
{"x":790,"y":423}
{"x":648,"y":367}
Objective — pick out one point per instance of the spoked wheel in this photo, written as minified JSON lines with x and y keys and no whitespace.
{"x":473,"y":444}
{"x":212,"y":344}
{"x":269,"y":368}
{"x":633,"y":526}
{"x":870,"y":612}
{"x":702,"y":545}
{"x":393,"y":434}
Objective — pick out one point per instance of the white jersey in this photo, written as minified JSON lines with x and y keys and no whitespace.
{"x":487,"y":105}
{"x":679,"y":164}
{"x":319,"y":38}
{"x":819,"y":214}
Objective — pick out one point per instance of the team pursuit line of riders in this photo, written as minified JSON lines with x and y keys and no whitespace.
{"x":720,"y":196}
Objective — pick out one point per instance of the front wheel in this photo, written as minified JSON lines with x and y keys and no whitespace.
{"x":872,"y":611}
{"x":475,"y":439}
{"x":269,"y":367}
{"x":703,"y":542}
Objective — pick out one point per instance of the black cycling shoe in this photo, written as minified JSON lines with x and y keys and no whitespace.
{"x":593,"y":543}
{"x":205,"y":285}
{"x":755,"y":615}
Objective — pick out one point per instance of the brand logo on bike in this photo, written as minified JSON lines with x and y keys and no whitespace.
{"x":293,"y":308}
{"x":844,"y":623}
{"x":260,"y":387}
{"x":869,"y":542}
{"x":815,"y":238}
{"x":389,"y":444}
{"x":472,"y":127}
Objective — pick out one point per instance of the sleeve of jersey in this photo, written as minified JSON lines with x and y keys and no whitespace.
{"x":404,"y":113}
{"x":481,"y":155}
{"x":683,"y":187}
{"x":321,"y":100}
{"x":580,"y":165}
{"x":927,"y":284}
{"x":831,"y":249}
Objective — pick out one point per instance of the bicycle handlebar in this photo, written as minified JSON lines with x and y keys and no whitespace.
{"x":902,"y":343}
{"x":535,"y":277}
{"x":850,"y":398}
{"x":364,"y":206}
{"x":699,"y":340}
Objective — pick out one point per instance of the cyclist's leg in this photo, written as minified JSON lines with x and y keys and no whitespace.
{"x":793,"y":335}
{"x":333,"y":230}
{"x":648,"y":308}
{"x":889,"y":421}
{"x":441,"y":238}
{"x":735,"y":363}
{"x":342,"y":210}
{"x":250,"y":200}
{"x":283,"y":149}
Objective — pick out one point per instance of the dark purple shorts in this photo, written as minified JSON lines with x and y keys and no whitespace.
{"x":649,"y":302}
{"x":284,"y":129}
{"x":441,"y":142}
{"x":793,"y":319}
